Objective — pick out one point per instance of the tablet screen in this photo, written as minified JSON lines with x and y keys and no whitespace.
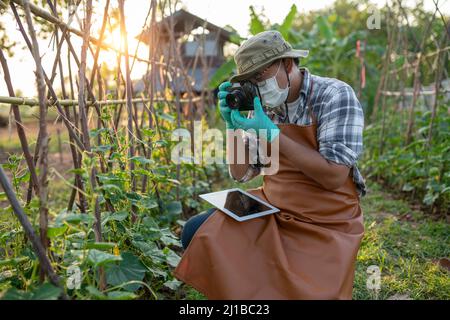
{"x":236,"y":201}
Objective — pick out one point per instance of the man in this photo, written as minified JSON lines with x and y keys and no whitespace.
{"x":308,"y":249}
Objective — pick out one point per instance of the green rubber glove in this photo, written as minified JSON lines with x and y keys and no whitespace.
{"x":224,"y":109}
{"x":259,"y":121}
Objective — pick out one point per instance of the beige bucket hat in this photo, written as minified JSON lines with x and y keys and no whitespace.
{"x":260,"y":51}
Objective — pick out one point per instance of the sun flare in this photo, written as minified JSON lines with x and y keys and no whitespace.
{"x":114,"y":38}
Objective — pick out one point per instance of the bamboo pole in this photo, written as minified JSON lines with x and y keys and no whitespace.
{"x":59,"y":43}
{"x":79,"y":183}
{"x":437,"y":80}
{"x":428,"y":55}
{"x":39,"y":249}
{"x":74,"y":152}
{"x":393,"y":31}
{"x":382,"y":82}
{"x":150,"y":88}
{"x":149,"y":85}
{"x":128,"y":94}
{"x":417,"y":80}
{"x":43,"y":134}
{"x":19,"y":125}
{"x":70,"y":127}
{"x":31,"y":102}
{"x":419,"y":92}
{"x":102,"y":33}
{"x":82,"y":86}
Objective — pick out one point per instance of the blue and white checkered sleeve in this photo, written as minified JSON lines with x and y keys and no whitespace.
{"x":340,"y":127}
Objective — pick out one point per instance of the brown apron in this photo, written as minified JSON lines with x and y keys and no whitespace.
{"x":305,"y":251}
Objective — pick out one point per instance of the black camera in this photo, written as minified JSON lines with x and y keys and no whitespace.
{"x":241,"y":96}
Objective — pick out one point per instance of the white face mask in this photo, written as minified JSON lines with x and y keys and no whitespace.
{"x":271,"y":93}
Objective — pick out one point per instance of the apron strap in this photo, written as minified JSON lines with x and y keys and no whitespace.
{"x":308,"y":104}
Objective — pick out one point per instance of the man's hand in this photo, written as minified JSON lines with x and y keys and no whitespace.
{"x":259,"y":121}
{"x":224,"y":109}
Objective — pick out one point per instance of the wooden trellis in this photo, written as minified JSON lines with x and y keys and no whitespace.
{"x":391,"y":77}
{"x":73,"y":111}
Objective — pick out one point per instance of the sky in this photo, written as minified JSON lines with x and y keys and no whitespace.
{"x":221,"y":13}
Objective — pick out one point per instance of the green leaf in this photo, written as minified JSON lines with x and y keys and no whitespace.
{"x":99,"y":258}
{"x":430,"y":198}
{"x":13,"y":261}
{"x":399,"y":62}
{"x":97,"y":294}
{"x":133,"y":196}
{"x":171,"y":257}
{"x":170,"y":240}
{"x":172,"y":284}
{"x":46,"y":292}
{"x":23,"y":178}
{"x":53,"y":232}
{"x":174,"y":181}
{"x":74,"y":218}
{"x":79,"y":171}
{"x":235,"y":38}
{"x":111,"y":188}
{"x":150,"y":250}
{"x":121,"y":295}
{"x":148,"y":132}
{"x":287,"y":22}
{"x":14,"y":294}
{"x":129,"y":269}
{"x":148,"y":203}
{"x":100,"y":245}
{"x":408,"y":187}
{"x":256,"y":25}
{"x":174,"y":207}
{"x":324,"y":28}
{"x":95,"y":132}
{"x":141,"y":160}
{"x":159,"y":271}
{"x":166,"y":116}
{"x":161,"y":143}
{"x":116,"y":216}
{"x":222,"y":73}
{"x":150,"y":222}
{"x":143,"y":172}
{"x":434,"y":171}
{"x":102,"y":148}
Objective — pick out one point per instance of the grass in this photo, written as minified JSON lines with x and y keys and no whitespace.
{"x":11,"y":143}
{"x":9,"y":140}
{"x":403,"y":243}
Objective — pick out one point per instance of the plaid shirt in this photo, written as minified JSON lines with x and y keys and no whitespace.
{"x":340,"y":123}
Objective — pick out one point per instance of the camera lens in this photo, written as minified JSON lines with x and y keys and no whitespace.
{"x":234,"y":99}
{"x":241,"y":96}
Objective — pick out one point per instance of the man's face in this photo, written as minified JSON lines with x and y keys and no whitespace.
{"x":277,"y":69}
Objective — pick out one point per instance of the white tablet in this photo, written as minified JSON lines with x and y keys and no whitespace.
{"x":239,"y":204}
